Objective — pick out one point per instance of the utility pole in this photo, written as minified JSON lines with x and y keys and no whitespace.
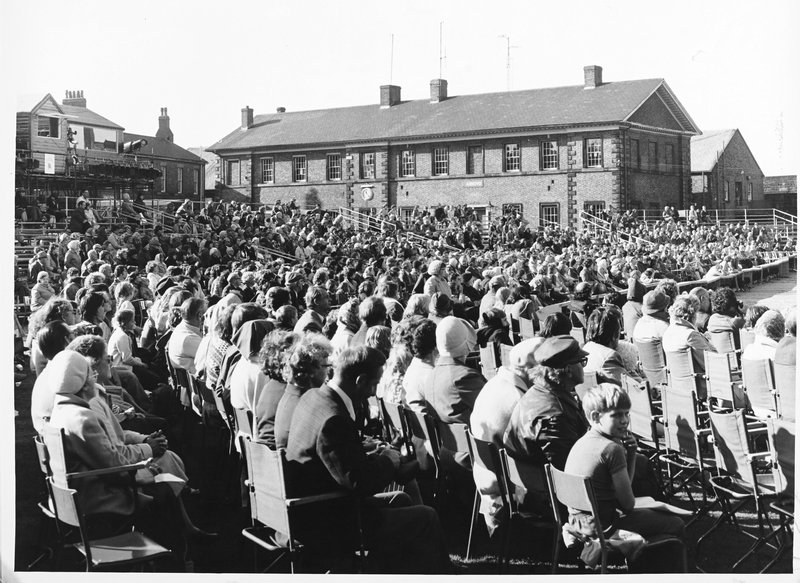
{"x":509,"y":46}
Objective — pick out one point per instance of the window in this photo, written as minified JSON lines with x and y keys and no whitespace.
{"x":750,"y":192}
{"x":180,"y":180}
{"x":548,"y":214}
{"x":512,"y":207}
{"x":549,"y":155}
{"x":512,"y":158}
{"x":738,"y":191}
{"x":652,"y":155}
{"x":298,"y":168}
{"x":636,"y":162}
{"x":407,"y":163}
{"x":94,"y":138}
{"x":267,"y":170}
{"x":593,"y":157}
{"x":475,"y":160}
{"x":594,"y":208}
{"x":48,"y":127}
{"x":669,"y":157}
{"x":368,"y":165}
{"x":406,"y":214}
{"x":441,"y":161}
{"x":232,"y":172}
{"x":334,"y":166}
{"x":726,"y":196}
{"x":195,"y":181}
{"x":163,"y":178}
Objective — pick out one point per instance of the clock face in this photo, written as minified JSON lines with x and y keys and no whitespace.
{"x":367,"y":193}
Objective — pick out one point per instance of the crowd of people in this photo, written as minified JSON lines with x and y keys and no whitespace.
{"x":301,"y":320}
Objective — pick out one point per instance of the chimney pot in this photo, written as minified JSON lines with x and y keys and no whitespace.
{"x":438,"y":90}
{"x":74,"y":97}
{"x":592,"y":76}
{"x":390,"y":95}
{"x":164,"y":131}
{"x":281,"y":110}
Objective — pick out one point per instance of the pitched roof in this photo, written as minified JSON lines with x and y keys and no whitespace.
{"x":161,"y":148}
{"x":88,"y":117}
{"x":464,"y":114}
{"x":707,"y":148}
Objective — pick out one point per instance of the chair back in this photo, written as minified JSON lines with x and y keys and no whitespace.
{"x":731,"y":445}
{"x":140,"y":311}
{"x":42,"y":455}
{"x":523,"y":475}
{"x":64,"y":504}
{"x":267,"y":486}
{"x":421,"y":426}
{"x":760,"y":385}
{"x":746,"y":337}
{"x":489,"y":360}
{"x":574,"y":492}
{"x":723,"y":385}
{"x":53,"y":440}
{"x":505,"y":354}
{"x":578,"y":334}
{"x":589,"y":380}
{"x":453,"y":436}
{"x":393,"y":419}
{"x":651,"y":356}
{"x":722,"y":340}
{"x":680,"y":370}
{"x":642,"y":422}
{"x":487,"y":454}
{"x":786,"y":387}
{"x":782,"y":435}
{"x":526,"y":329}
{"x":680,"y":422}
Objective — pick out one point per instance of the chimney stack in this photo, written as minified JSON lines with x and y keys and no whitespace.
{"x":247,"y":117}
{"x":438,"y":90}
{"x":281,"y":110}
{"x":75,"y":98}
{"x":390,"y":95}
{"x":592,"y":76}
{"x":164,"y":132}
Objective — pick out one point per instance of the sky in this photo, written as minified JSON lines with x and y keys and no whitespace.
{"x":731,"y":64}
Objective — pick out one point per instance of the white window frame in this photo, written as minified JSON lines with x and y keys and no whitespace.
{"x":726,"y":191}
{"x":549,"y":211}
{"x":368,"y":165}
{"x":163,"y":178}
{"x":549,"y":154}
{"x":299,"y":169}
{"x":594,"y":207}
{"x":333,"y":165}
{"x":180,"y":180}
{"x":593,"y":156}
{"x":510,"y":207}
{"x":441,"y":161}
{"x":749,"y":192}
{"x":408,"y":163}
{"x":512,"y":159}
{"x":267,"y":172}
{"x":196,"y":179}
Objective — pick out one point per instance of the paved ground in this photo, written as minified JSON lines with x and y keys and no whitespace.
{"x":778,"y":293}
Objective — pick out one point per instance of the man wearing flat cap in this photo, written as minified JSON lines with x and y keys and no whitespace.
{"x":655,"y":319}
{"x":548,"y":420}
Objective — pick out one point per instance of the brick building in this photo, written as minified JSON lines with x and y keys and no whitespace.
{"x":551,"y":152}
{"x":780,"y":192}
{"x":725,"y":174}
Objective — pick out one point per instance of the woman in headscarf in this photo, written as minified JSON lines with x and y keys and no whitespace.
{"x":495,"y":328}
{"x":348,"y":324}
{"x":42,"y":291}
{"x":248,"y":379}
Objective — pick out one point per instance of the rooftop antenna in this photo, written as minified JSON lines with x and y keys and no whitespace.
{"x":509,"y":46}
{"x":442,"y":53}
{"x":391,"y":60}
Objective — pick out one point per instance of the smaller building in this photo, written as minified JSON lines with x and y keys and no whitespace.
{"x":725,"y":174}
{"x":780,"y":192}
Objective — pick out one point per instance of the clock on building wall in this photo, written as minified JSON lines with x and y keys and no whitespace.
{"x":368,"y":192}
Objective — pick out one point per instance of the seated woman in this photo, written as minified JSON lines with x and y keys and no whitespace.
{"x":274,"y":350}
{"x":495,"y":328}
{"x":94,"y":440}
{"x":602,"y":337}
{"x":121,"y":347}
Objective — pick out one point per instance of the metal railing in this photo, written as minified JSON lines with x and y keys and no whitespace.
{"x":367,"y":223}
{"x":263,"y":251}
{"x":587,"y":220}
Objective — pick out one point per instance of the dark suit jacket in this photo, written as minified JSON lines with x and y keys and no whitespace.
{"x":326,"y":452}
{"x":453,"y":390}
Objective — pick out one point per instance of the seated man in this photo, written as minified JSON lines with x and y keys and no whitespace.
{"x":326,"y":454}
{"x":786,"y":351}
{"x":186,"y":338}
{"x":769,"y":330}
{"x":682,"y":334}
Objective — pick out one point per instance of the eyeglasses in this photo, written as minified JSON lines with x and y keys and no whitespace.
{"x":584,"y":361}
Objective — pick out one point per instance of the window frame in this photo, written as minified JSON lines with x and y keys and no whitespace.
{"x":368,"y":170}
{"x":548,"y":205}
{"x":471,"y":170}
{"x":749,"y":192}
{"x":229,"y":172}
{"x":593,"y":206}
{"x":408,"y":161}
{"x":652,"y":154}
{"x":296,"y":167}
{"x":636,"y":158}
{"x":54,"y":122}
{"x":549,"y":159}
{"x":587,"y":153}
{"x":330,"y":169}
{"x":512,"y":161}
{"x":163,"y":178}
{"x":180,"y":180}
{"x":508,"y":207}
{"x":440,"y":161}
{"x":196,"y":179}
{"x":726,"y":191}
{"x":263,"y":167}
{"x":669,"y":157}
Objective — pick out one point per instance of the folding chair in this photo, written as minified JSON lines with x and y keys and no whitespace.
{"x":652,"y":361}
{"x":686,"y":442}
{"x":577,"y":493}
{"x":505,"y":354}
{"x":746,"y":337}
{"x":526,"y":329}
{"x":741,"y":478}
{"x":785,"y":385}
{"x":760,"y":386}
{"x":47,"y":507}
{"x":724,"y":341}
{"x":394,"y":423}
{"x":589,"y":380}
{"x":453,"y":438}
{"x":421,"y":427}
{"x":645,"y":418}
{"x":681,"y":374}
{"x":273,"y":510}
{"x":121,"y":550}
{"x":724,"y":382}
{"x":782,"y":438}
{"x":489,"y":360}
{"x":578,"y":334}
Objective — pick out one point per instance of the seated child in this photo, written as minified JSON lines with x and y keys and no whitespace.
{"x":607,"y":454}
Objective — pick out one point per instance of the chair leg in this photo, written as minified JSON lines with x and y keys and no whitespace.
{"x":556,"y":548}
{"x":475,"y":515}
{"x":783,"y":533}
{"x":761,"y":539}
